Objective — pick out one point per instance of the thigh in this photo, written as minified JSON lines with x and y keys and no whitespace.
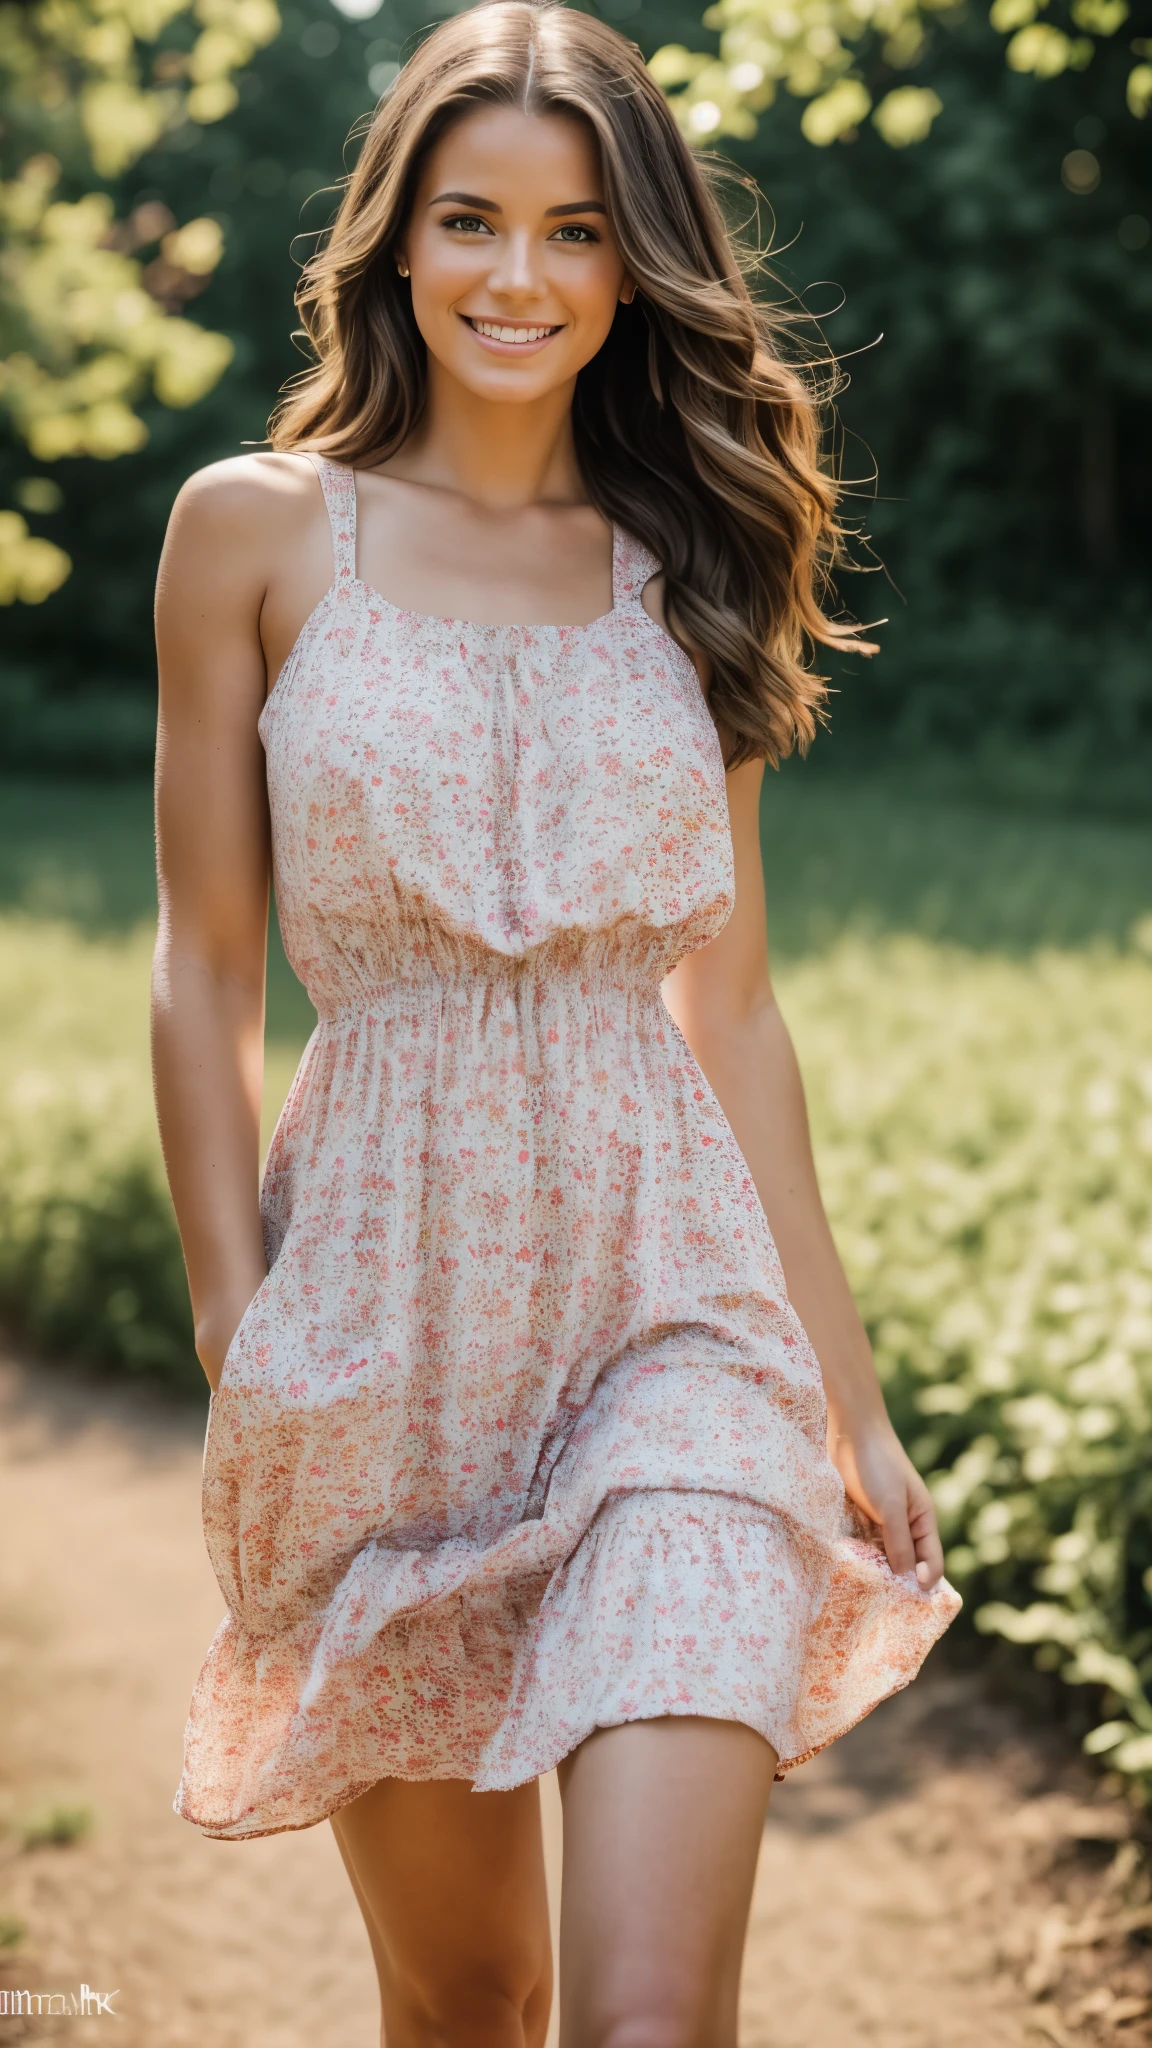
{"x":451,"y":1886}
{"x":662,"y":1827}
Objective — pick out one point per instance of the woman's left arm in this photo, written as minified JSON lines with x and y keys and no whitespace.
{"x":723,"y":1001}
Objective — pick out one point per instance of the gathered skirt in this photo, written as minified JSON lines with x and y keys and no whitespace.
{"x":520,"y":1437}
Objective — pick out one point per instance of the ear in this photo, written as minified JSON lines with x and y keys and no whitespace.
{"x":627,"y":291}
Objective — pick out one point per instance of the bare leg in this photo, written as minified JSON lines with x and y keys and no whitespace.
{"x":451,"y":1886}
{"x":662,"y":1826}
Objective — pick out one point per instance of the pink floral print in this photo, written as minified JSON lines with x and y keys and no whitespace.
{"x":520,"y":1437}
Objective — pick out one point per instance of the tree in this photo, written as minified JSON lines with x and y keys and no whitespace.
{"x":841,"y":56}
{"x":77,"y":676}
{"x":86,"y":326}
{"x":1008,"y":406}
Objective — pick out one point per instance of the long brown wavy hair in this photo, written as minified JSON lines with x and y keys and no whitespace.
{"x":692,"y":430}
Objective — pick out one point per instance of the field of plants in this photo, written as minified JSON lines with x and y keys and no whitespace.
{"x":971,"y":997}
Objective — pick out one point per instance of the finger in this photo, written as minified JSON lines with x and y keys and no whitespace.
{"x":929,"y":1550}
{"x":899,"y":1545}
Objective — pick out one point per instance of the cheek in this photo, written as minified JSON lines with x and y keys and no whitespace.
{"x":441,"y":275}
{"x":594,"y":291}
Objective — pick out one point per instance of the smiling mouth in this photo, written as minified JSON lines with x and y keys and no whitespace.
{"x":506,"y":332}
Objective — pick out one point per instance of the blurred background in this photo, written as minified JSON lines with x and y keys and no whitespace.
{"x":959,"y":877}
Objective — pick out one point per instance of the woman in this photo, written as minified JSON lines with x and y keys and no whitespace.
{"x":519,"y":1454}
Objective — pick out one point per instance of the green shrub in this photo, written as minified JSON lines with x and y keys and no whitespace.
{"x":90,"y":1262}
{"x":90,"y":1259}
{"x":985,"y":1138}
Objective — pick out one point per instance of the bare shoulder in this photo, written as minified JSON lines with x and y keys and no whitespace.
{"x":247,"y":556}
{"x":246,"y":500}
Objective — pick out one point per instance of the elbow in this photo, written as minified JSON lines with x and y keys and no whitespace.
{"x":740,"y":1002}
{"x":740,"y":1025}
{"x":187,"y":968}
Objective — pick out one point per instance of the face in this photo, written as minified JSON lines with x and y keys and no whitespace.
{"x":515,"y":273}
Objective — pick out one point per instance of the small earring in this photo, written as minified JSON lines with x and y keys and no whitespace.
{"x":401,"y":266}
{"x":628,"y":294}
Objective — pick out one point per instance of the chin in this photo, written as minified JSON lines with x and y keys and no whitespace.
{"x":515,"y":385}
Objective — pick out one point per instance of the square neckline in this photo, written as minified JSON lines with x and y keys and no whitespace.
{"x":633,"y":567}
{"x":344,"y":549}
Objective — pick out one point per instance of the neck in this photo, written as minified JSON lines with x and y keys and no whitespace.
{"x":501,"y":456}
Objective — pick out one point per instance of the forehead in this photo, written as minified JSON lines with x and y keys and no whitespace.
{"x":506,"y":155}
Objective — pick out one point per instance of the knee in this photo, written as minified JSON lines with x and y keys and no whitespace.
{"x":475,"y":2018}
{"x":481,"y":2008}
{"x":649,"y":2029}
{"x":657,"y":2018}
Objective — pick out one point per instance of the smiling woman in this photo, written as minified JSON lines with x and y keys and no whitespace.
{"x":544,"y":1430}
{"x":559,"y":292}
{"x":514,"y":286}
{"x":689,"y":428}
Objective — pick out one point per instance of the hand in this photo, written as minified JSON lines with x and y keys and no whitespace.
{"x":218,"y":1324}
{"x":880,"y":1477}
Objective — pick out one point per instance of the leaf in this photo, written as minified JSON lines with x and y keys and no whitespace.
{"x":832,"y":114}
{"x":1035,"y":1624}
{"x":1106,"y":1737}
{"x":1135,"y":1756}
{"x":1139,"y":90}
{"x":905,"y":115}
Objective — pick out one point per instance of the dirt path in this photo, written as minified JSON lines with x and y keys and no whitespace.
{"x":937,"y":1881}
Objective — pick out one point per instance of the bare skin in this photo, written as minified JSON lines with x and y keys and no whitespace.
{"x":482,"y":515}
{"x":451,"y":1886}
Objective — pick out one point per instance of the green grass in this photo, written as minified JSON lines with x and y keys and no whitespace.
{"x":877,"y":856}
{"x":90,"y":1263}
{"x":80,"y":854}
{"x":55,"y":1827}
{"x":880,"y":857}
{"x":971,"y":996}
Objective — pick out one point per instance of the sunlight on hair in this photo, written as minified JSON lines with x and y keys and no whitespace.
{"x":698,"y":423}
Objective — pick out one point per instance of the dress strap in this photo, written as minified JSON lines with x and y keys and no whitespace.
{"x":338,"y":484}
{"x":632,"y":567}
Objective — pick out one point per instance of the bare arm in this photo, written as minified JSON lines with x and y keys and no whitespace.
{"x":213,"y":864}
{"x":722,"y":999}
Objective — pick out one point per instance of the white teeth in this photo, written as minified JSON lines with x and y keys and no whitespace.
{"x":521,"y":334}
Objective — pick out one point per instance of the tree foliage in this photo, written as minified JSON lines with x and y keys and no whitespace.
{"x":989,"y":300}
{"x":844,"y":57}
{"x":86,"y":327}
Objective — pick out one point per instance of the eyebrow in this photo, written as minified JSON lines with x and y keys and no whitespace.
{"x":490,"y":206}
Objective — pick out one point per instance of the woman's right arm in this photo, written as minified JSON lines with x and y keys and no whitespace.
{"x":213,"y":869}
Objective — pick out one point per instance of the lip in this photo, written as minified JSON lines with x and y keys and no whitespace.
{"x":518,"y":349}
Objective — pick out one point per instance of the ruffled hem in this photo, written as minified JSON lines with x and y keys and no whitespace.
{"x":698,"y":1604}
{"x":673,"y":1603}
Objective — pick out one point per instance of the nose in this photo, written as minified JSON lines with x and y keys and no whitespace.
{"x":518,"y":270}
